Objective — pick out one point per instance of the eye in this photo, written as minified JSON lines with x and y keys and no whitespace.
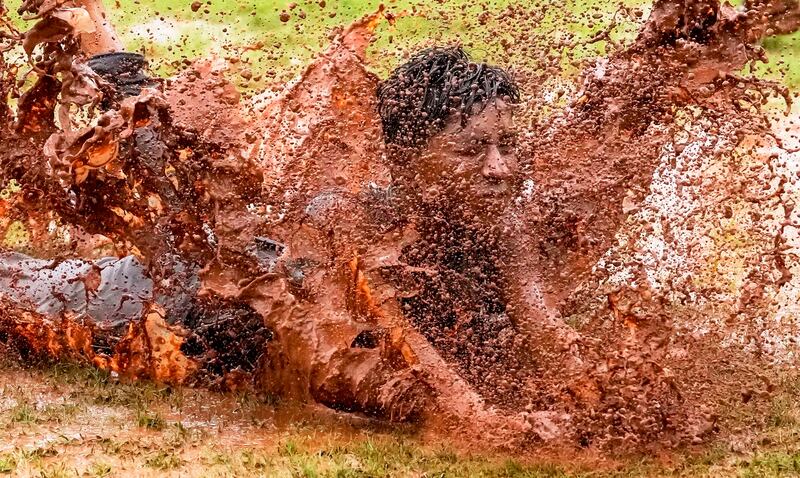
{"x":507,"y":143}
{"x":468,"y":148}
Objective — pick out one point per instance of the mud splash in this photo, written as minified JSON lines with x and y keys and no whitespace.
{"x":286,"y":211}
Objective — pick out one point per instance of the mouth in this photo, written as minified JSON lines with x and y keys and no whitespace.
{"x":492,"y":188}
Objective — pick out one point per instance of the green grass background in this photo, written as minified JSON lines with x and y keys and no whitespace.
{"x":168,"y":31}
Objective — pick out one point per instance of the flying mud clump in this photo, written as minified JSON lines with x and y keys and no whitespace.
{"x":444,"y":246}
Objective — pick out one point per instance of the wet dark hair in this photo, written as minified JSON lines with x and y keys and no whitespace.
{"x":420,"y":95}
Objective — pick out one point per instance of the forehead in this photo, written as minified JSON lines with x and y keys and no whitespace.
{"x":496,"y":117}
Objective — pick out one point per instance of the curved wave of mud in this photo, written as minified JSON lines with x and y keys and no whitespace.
{"x":642,"y":267}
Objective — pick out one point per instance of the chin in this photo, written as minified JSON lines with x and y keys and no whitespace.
{"x":489,"y":205}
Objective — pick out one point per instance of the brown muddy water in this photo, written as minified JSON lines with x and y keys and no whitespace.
{"x":458,"y":248}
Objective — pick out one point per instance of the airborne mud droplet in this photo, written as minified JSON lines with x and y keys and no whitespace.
{"x":514,"y":256}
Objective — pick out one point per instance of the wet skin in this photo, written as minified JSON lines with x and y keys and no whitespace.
{"x":473,"y":168}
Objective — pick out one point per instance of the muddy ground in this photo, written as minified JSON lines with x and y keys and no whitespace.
{"x":65,"y":420}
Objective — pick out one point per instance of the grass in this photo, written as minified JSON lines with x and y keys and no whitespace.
{"x":23,"y":413}
{"x":106,"y":390}
{"x":231,"y":24}
{"x":373,"y":457}
{"x":140,"y":429}
{"x":100,"y":470}
{"x":772,"y":464}
{"x":7,"y":463}
{"x":58,"y":470}
{"x":252,"y":33}
{"x":784,"y":65}
{"x":153,"y":421}
{"x":163,"y":460}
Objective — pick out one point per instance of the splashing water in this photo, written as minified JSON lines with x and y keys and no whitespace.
{"x":631,"y":273}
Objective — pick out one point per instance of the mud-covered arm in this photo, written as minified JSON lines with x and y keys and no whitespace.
{"x":324,"y":347}
{"x":319,"y":353}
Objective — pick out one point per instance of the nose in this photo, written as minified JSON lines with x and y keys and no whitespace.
{"x":495,"y":164}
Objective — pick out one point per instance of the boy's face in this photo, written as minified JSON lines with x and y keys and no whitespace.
{"x":474,"y":167}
